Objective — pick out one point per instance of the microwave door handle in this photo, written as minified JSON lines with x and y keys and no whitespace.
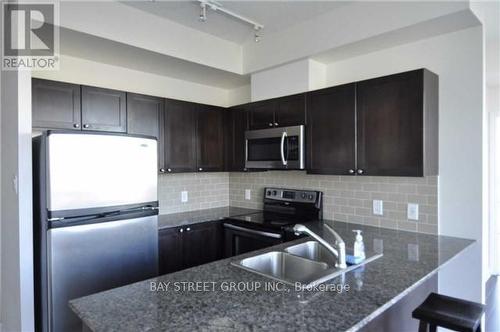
{"x":283,"y":160}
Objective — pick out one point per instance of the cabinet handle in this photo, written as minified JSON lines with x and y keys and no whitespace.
{"x":270,"y":124}
{"x":76,"y":125}
{"x":351,"y":171}
{"x":276,"y":124}
{"x":181,"y":230}
{"x":169,"y":170}
{"x":162,"y":170}
{"x":360,"y":171}
{"x":86,"y":125}
{"x":188,"y":229}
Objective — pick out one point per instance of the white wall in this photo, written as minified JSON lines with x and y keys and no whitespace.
{"x":458,"y":60}
{"x":295,"y":77}
{"x":81,"y":71}
{"x":17,"y":223}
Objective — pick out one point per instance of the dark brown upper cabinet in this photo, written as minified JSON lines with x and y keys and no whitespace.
{"x":331,"y":131}
{"x":210,"y":138}
{"x":290,"y":111}
{"x":277,"y":112}
{"x":261,"y":114}
{"x":144,"y":116}
{"x":180,"y":136}
{"x":385,"y":126}
{"x":397,"y":125}
{"x":55,"y":105}
{"x":104,"y":109}
{"x":236,"y":125}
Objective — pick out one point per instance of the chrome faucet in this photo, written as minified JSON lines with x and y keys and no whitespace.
{"x":337,"y":248}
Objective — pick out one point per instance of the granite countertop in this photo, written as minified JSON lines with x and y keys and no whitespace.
{"x":408,"y":260}
{"x":199,"y":216}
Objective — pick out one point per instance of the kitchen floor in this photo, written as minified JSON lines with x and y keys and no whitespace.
{"x":492,"y":316}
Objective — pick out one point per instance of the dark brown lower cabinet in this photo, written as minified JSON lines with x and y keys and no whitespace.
{"x":200,"y":244}
{"x":187,"y":246}
{"x":170,"y":250}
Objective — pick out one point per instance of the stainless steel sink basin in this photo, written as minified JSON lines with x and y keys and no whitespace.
{"x":307,"y":263}
{"x":314,"y":251}
{"x":283,"y":267}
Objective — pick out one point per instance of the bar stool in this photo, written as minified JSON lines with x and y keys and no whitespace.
{"x":449,"y":312}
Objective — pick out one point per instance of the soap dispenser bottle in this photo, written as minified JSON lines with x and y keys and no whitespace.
{"x":359,"y":246}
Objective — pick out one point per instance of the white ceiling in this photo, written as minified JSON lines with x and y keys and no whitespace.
{"x":274,"y":15}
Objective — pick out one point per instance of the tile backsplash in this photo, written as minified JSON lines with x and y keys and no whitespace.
{"x":346,"y":198}
{"x":205,"y":191}
{"x":350,"y":198}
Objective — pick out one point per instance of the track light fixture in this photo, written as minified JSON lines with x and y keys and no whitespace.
{"x":203,"y":14}
{"x":256,"y":34}
{"x":215,"y":6}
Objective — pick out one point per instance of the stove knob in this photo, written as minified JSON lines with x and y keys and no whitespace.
{"x":275,"y":192}
{"x":310,"y":197}
{"x":303,"y":195}
{"x":268,"y":193}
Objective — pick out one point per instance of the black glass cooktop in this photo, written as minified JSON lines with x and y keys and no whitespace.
{"x":268,"y":220}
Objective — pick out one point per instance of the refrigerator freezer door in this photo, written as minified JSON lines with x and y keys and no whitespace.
{"x":96,"y":170}
{"x":87,"y":259}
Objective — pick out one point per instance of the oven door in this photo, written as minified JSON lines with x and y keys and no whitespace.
{"x":276,"y":148}
{"x":239,"y":240}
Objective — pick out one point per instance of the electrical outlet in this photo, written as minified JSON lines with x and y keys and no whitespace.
{"x":378,"y":207}
{"x":248,"y":194}
{"x":412,"y":211}
{"x":184,"y":196}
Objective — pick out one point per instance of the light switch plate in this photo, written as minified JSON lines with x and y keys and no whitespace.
{"x":248,"y":194}
{"x":412,"y":211}
{"x":184,"y":196}
{"x":378,"y":207}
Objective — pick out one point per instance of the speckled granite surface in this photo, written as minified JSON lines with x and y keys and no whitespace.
{"x":199,"y":216}
{"x":408,"y":259}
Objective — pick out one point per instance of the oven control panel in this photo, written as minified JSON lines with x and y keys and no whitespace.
{"x":291,"y":195}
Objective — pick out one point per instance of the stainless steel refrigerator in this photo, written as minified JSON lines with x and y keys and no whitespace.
{"x":95,"y":218}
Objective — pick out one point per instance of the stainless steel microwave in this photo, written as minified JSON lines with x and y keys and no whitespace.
{"x":275,"y":148}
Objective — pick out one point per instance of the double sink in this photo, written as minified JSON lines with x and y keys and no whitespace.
{"x":308,"y":264}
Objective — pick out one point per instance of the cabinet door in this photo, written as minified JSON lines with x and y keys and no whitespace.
{"x":331,"y":135}
{"x":261,"y":114}
{"x":180,"y":136}
{"x":210,"y":138}
{"x":104,"y":109}
{"x":236,"y":125}
{"x":200,"y":244}
{"x":170,"y":250}
{"x":390,"y":125}
{"x":55,"y":105}
{"x":144,"y":116}
{"x":290,"y":111}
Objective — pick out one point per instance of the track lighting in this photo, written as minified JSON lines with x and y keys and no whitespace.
{"x":256,"y":34}
{"x":215,"y":6}
{"x":203,"y":14}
